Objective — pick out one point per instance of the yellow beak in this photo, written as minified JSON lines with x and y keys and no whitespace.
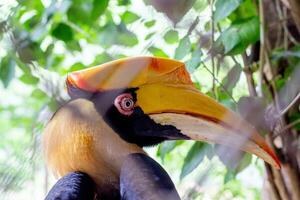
{"x":166,"y":93}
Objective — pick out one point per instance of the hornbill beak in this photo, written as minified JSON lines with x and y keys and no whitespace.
{"x":165,"y":92}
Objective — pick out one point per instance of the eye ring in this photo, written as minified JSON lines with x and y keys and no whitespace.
{"x":124,"y":103}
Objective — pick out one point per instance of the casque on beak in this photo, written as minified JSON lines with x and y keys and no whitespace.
{"x":166,"y":93}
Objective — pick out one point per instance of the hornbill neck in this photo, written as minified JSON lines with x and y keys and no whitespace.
{"x":78,"y":139}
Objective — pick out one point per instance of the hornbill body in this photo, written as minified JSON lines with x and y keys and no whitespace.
{"x":118,"y":108}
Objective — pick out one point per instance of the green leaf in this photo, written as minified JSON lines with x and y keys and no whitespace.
{"x":149,"y":35}
{"x":36,"y":5}
{"x":63,"y":32}
{"x":32,"y":22}
{"x":113,"y":34}
{"x":171,"y":37}
{"x":247,"y":9}
{"x":73,"y":45}
{"x":244,"y":163}
{"x":195,"y":60}
{"x":79,"y":14}
{"x":3,"y":25}
{"x":193,"y":158}
{"x":197,"y":85}
{"x":23,"y":66}
{"x":49,"y":50}
{"x":232,"y":77}
{"x":30,"y":51}
{"x":102,"y":58}
{"x":129,"y":17}
{"x":29,"y":79}
{"x":200,"y":5}
{"x":123,"y":2}
{"x":183,"y":48}
{"x":230,"y":175}
{"x":240,"y":35}
{"x":167,"y":147}
{"x":157,"y":52}
{"x":229,"y":39}
{"x":149,"y":24}
{"x":224,"y":8}
{"x":38,"y":94}
{"x":127,"y":39}
{"x":53,"y":105}
{"x":7,"y":70}
{"x":280,"y":83}
{"x":99,"y":6}
{"x":108,"y":35}
{"x":77,"y":66}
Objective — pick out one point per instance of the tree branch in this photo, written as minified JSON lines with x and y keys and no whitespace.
{"x":249,"y":76}
{"x":286,"y":3}
{"x":271,"y":183}
{"x":295,"y":8}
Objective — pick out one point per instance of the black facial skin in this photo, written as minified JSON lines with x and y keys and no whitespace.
{"x":136,"y":128}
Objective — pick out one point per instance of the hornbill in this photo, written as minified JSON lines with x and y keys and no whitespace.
{"x":95,"y":141}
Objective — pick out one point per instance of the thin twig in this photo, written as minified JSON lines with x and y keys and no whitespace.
{"x":223,"y":87}
{"x":262,"y":46}
{"x":212,"y":44}
{"x":287,"y":127}
{"x":193,"y":26}
{"x":290,"y":105}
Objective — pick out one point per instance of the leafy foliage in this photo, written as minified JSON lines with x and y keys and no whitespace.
{"x":42,"y":41}
{"x":7,"y":70}
{"x":183,"y":48}
{"x":194,"y":157}
{"x":171,"y":37}
{"x":225,"y":7}
{"x":240,"y":35}
{"x":63,"y":32}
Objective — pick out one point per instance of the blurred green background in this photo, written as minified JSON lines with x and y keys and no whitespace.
{"x":42,"y":40}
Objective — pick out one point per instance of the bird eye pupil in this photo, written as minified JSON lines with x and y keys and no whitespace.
{"x":128,"y":103}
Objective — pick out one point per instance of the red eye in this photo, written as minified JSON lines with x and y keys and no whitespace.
{"x":124,"y":103}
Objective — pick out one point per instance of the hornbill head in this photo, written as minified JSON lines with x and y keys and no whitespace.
{"x":121,"y":106}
